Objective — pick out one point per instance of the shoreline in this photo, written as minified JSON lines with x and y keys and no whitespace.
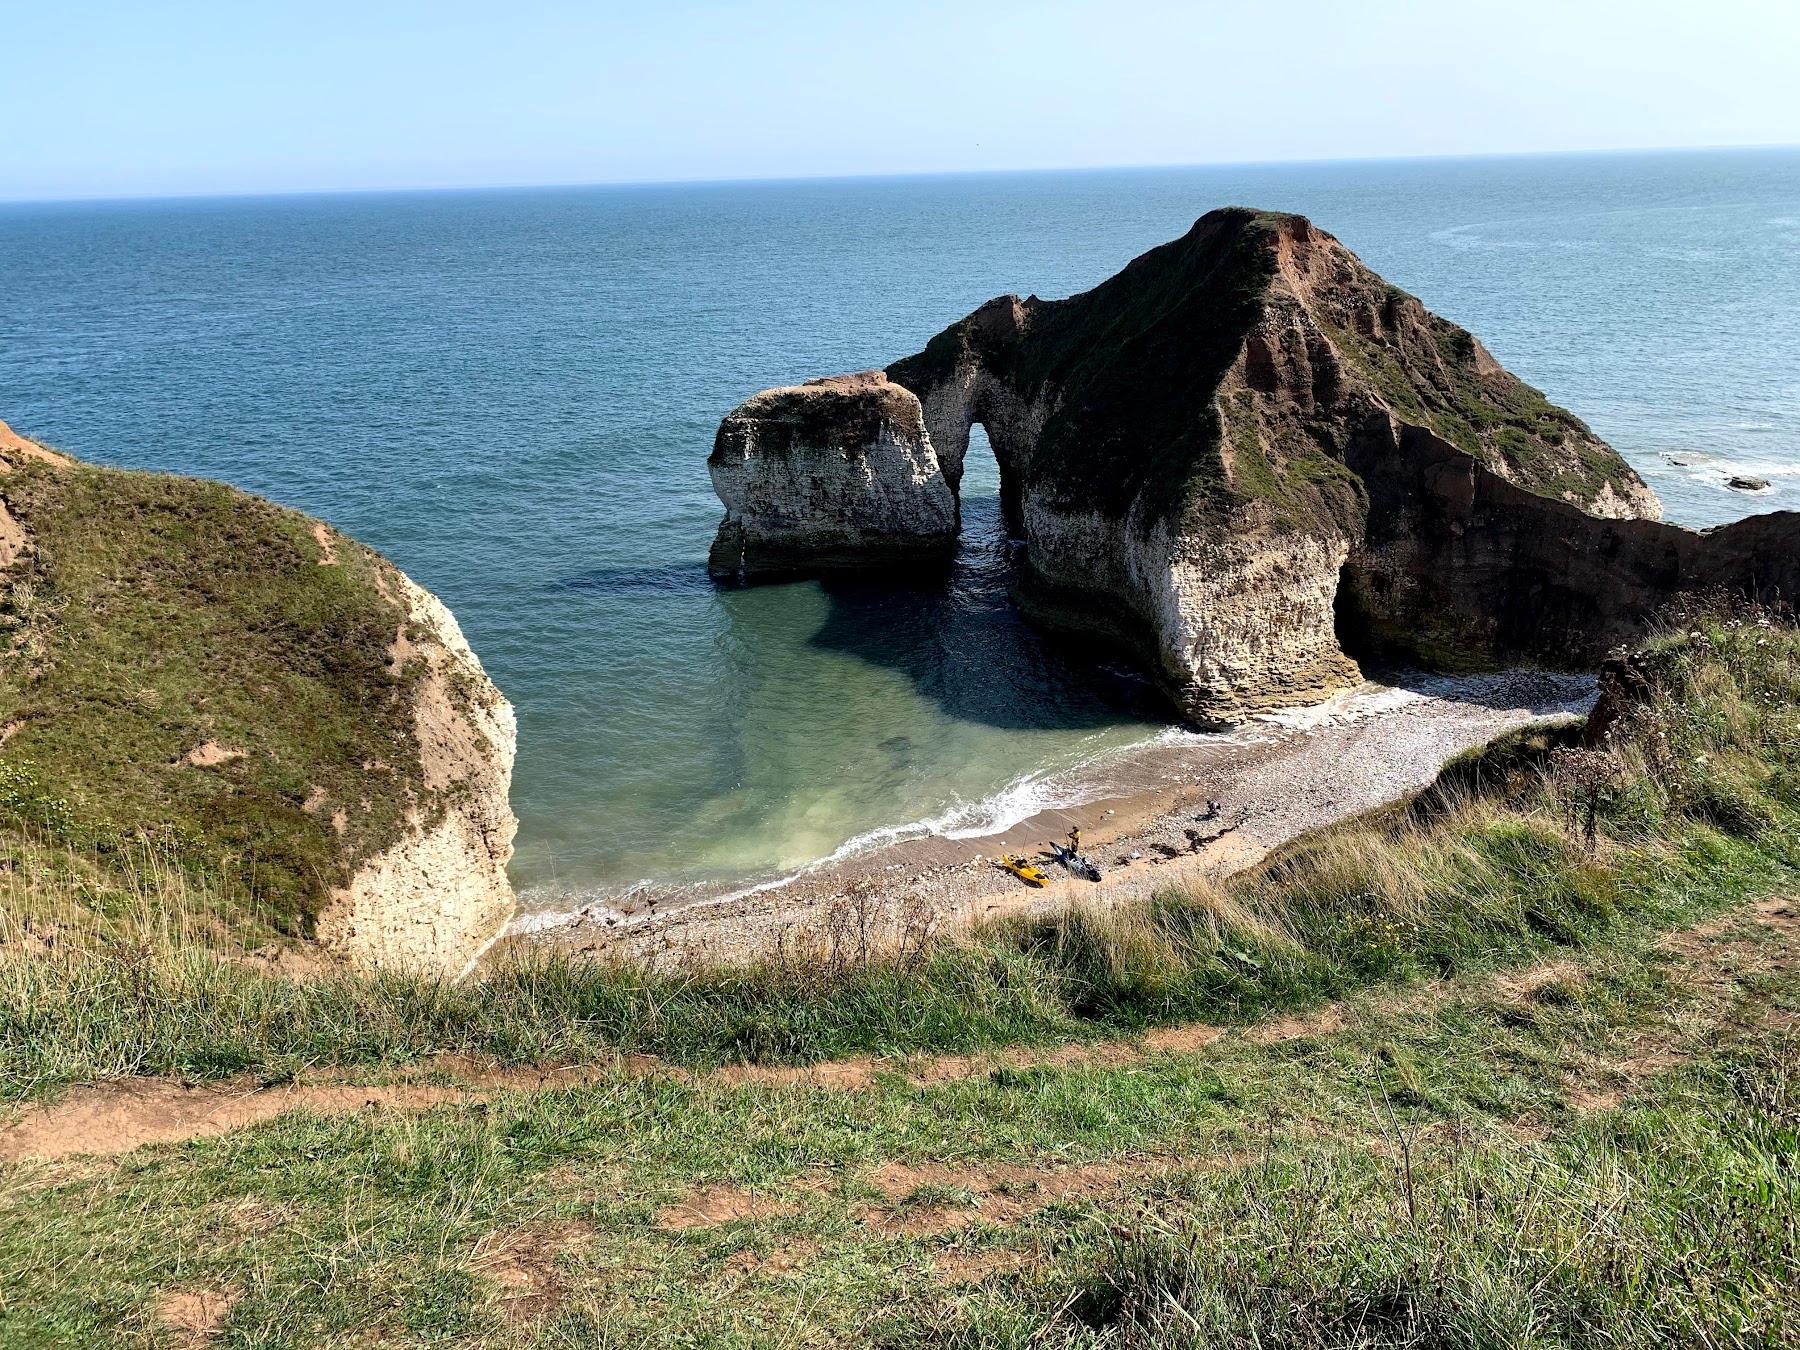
{"x":1145,"y":826}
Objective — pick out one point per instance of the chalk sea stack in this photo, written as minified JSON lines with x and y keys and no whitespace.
{"x":1249,"y":460}
{"x":197,"y":679}
{"x":834,"y":473}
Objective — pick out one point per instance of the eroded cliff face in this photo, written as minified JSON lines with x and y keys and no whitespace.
{"x":255,"y":701}
{"x":836,"y":473}
{"x":438,"y":895}
{"x":1213,"y":458}
{"x":1457,"y":563}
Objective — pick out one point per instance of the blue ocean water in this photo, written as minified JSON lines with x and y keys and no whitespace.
{"x":512,"y":394}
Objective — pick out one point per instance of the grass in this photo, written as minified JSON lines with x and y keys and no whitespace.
{"x":1605,"y":1153}
{"x":1487,"y":869}
{"x":1499,"y":419}
{"x":1670,"y":1221}
{"x":1441,"y":1172}
{"x":157,"y":614}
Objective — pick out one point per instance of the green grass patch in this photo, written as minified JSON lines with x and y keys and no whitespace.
{"x":158,"y":614}
{"x":1490,"y":868}
{"x":1436,"y":1152}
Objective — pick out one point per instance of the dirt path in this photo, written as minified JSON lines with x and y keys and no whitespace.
{"x":119,"y":1116}
{"x":114,"y":1118}
{"x":930,"y":1199}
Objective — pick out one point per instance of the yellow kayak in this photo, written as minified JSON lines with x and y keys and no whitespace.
{"x":1023,"y":870}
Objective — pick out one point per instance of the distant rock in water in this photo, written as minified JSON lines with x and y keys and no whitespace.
{"x":190,"y":673}
{"x":1744,"y":482}
{"x":1245,"y":458}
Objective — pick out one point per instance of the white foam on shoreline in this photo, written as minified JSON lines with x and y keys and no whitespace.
{"x":1543,"y":693}
{"x":1705,"y":469}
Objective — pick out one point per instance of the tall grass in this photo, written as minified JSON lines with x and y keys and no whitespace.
{"x":1661,"y":1224}
{"x":1697,"y":806}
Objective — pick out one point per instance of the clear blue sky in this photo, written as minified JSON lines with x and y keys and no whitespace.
{"x":129,"y":97}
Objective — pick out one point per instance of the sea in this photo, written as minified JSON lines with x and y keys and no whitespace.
{"x":513,"y":393}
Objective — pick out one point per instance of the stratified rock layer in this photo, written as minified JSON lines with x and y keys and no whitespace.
{"x":1247,"y":456}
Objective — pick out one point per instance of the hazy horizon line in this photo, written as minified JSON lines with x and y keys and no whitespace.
{"x":777,"y":179}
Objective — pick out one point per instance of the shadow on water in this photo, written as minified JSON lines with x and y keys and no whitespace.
{"x":964,"y":645}
{"x":670,"y":578}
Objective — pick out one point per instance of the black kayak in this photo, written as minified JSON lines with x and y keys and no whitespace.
{"x":1079,"y":864}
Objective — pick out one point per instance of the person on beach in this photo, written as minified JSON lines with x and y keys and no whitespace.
{"x":1075,"y":839}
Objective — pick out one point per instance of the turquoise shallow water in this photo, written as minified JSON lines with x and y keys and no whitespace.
{"x":513,"y":394}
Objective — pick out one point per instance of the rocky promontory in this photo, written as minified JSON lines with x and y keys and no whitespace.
{"x":200,"y":685}
{"x":1247,"y":459}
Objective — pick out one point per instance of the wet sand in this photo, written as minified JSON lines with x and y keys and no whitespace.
{"x":1147,"y":827}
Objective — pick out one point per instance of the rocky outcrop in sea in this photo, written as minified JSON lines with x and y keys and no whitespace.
{"x":1249,"y":461}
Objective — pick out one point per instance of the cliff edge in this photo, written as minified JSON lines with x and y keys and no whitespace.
{"x":196,"y":678}
{"x":1249,"y":460}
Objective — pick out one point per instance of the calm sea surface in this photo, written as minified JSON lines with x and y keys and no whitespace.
{"x":512,"y":394}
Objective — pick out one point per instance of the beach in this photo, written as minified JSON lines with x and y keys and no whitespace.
{"x":1146,"y":824}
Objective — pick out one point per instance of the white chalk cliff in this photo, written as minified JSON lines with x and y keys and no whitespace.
{"x":1246,"y":459}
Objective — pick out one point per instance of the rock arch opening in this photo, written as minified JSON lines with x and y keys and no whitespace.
{"x":984,"y":478}
{"x":987,"y":485}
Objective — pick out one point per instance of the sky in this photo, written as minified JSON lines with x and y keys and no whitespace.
{"x":175,"y":97}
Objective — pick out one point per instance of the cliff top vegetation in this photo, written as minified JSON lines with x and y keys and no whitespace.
{"x":192,"y":676}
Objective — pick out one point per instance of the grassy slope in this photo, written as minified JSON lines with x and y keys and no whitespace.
{"x":160,"y":613}
{"x":1433,"y":1173}
{"x":1484,"y":870}
{"x":1605,"y":1154}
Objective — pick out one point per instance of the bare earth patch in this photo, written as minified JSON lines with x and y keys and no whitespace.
{"x":117,"y":1117}
{"x":15,"y":543}
{"x":999,"y":1194}
{"x":1321,"y":1023}
{"x":526,"y":1265}
{"x":210,"y":754}
{"x":327,"y":546}
{"x":15,"y":448}
{"x":196,"y":1316}
{"x":713,"y":1205}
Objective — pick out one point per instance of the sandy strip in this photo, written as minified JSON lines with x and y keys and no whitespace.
{"x":1311,"y":768}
